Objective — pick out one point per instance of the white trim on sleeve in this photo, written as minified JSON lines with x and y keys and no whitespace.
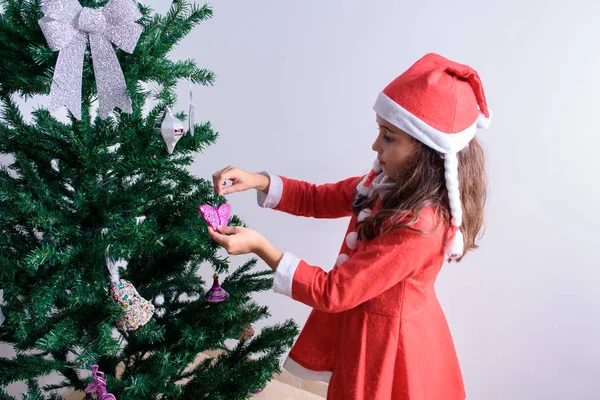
{"x":284,"y":275}
{"x":271,"y":199}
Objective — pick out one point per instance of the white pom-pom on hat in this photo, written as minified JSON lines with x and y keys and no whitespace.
{"x":484,"y":122}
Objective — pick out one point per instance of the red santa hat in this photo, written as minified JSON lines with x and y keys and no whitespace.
{"x":441,"y":103}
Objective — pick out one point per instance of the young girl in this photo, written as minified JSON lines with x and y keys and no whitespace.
{"x":377,"y":331}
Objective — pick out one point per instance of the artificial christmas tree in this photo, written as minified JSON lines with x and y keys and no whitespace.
{"x":103,"y":185}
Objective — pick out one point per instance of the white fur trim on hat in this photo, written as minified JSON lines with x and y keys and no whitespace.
{"x":442,"y":142}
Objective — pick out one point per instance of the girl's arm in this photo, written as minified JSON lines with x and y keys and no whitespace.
{"x":377,"y":266}
{"x":384,"y":261}
{"x":330,"y":200}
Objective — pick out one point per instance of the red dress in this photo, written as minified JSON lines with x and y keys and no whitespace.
{"x":376,"y":331}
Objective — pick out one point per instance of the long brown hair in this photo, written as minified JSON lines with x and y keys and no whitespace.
{"x":422,"y":184}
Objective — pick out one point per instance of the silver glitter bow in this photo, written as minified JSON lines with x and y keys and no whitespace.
{"x":67,"y":26}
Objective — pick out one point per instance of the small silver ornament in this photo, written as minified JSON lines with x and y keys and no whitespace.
{"x":171,"y":129}
{"x":191,"y":120}
{"x":191,"y":113}
{"x":1,"y":301}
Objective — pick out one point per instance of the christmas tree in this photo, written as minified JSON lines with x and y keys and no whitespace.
{"x":102,"y":185}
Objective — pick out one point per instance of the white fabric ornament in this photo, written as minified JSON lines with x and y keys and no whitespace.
{"x":171,"y":129}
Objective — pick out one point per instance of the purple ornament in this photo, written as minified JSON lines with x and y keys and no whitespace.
{"x":258,"y":390}
{"x":98,"y":385}
{"x":216,"y":216}
{"x":216,"y":294}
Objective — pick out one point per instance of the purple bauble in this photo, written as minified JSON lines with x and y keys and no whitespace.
{"x":216,"y":294}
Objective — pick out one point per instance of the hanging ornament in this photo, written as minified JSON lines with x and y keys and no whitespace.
{"x":216,"y":294}
{"x":98,"y":386}
{"x":191,"y":113}
{"x":137,"y":311}
{"x":248,"y":331}
{"x":171,"y":129}
{"x":67,"y":26}
{"x":258,"y":390}
{"x":2,"y":319}
{"x":216,"y":216}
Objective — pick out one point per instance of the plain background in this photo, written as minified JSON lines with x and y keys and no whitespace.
{"x":295,"y":86}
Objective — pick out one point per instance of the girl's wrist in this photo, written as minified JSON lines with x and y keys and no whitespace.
{"x":262,"y":183}
{"x":268,"y":253}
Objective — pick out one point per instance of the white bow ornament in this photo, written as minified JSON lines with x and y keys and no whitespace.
{"x":67,"y":26}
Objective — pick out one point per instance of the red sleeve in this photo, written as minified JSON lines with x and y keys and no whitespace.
{"x":384,"y":262}
{"x":330,"y":200}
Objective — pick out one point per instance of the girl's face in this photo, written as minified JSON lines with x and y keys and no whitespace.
{"x":394,"y":148}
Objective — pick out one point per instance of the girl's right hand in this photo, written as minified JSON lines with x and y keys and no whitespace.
{"x":241,"y":181}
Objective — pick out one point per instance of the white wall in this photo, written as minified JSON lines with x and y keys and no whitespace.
{"x":295,"y":85}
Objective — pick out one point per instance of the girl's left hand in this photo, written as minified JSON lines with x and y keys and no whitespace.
{"x":237,"y":240}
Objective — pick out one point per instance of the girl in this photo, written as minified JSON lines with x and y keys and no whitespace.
{"x":377,"y":331}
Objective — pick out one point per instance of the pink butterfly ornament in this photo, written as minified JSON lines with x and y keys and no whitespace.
{"x":215,"y":217}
